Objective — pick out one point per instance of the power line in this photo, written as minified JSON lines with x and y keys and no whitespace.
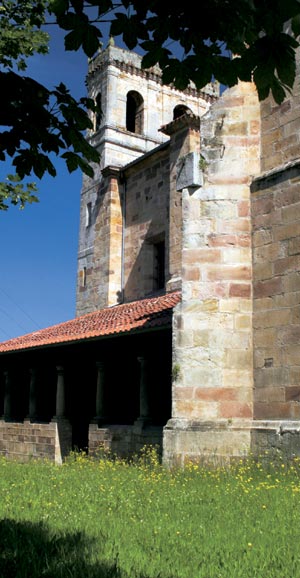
{"x":13,"y":319}
{"x":5,"y":333}
{"x":21,"y":309}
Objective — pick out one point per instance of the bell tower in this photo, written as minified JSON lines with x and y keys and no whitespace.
{"x":134,"y":104}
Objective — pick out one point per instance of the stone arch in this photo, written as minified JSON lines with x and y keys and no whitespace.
{"x":134,"y":112}
{"x":179,"y":110}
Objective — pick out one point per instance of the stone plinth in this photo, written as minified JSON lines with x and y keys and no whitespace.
{"x":122,"y":440}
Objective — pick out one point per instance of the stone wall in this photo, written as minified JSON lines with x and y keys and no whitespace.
{"x":122,"y":440}
{"x":26,"y":440}
{"x":146,"y":219}
{"x":276,"y":262}
{"x":280,"y":141}
{"x":213,"y":355}
{"x":276,"y":272}
{"x":113,"y":73}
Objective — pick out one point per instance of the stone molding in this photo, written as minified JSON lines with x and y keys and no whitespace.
{"x":148,"y":74}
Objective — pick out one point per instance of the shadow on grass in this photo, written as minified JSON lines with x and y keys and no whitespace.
{"x":29,"y":550}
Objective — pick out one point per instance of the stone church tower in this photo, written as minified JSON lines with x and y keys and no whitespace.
{"x":134,"y":106}
{"x":188,"y":294}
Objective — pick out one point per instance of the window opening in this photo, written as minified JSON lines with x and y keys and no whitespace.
{"x":134,"y":112}
{"x":83,"y":277}
{"x":180,"y":110}
{"x":98,"y":117}
{"x":88,"y":214}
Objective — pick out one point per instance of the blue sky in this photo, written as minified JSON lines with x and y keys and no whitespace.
{"x":39,"y":243}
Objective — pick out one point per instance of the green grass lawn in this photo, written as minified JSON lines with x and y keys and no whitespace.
{"x":108,"y":518}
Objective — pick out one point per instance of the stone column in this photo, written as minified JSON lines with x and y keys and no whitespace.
{"x":144,"y":390}
{"x":60,"y":392}
{"x":7,"y":397}
{"x":32,"y":395}
{"x":63,"y":428}
{"x":99,"y":417}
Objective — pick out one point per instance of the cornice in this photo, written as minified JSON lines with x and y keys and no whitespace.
{"x":148,"y":74}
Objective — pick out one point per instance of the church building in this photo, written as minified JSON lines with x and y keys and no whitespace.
{"x":187,"y":327}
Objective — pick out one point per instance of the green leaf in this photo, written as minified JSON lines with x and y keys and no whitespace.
{"x":168,"y":74}
{"x":152,"y":57}
{"x":296,"y":25}
{"x":85,"y":167}
{"x":73,"y":40}
{"x":278,"y":92}
{"x":286,"y":70}
{"x":70,"y":21}
{"x":17,"y":193}
{"x":119,"y":24}
{"x":58,"y":7}
{"x":103,"y":6}
{"x":71,"y":160}
{"x":263,"y":76}
{"x":224,"y":70}
{"x":77,"y":5}
{"x":90,"y":43}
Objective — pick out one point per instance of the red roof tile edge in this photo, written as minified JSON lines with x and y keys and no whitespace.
{"x":144,"y":313}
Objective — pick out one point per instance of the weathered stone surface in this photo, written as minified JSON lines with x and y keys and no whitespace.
{"x":216,"y":191}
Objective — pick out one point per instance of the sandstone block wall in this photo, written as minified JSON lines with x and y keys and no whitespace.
{"x":276,"y":273}
{"x":276,"y":262}
{"x":101,"y":264}
{"x":280,"y":131}
{"x":212,"y":331}
{"x":26,"y":440}
{"x":113,"y":73}
{"x":146,"y":218}
{"x":213,"y":325}
{"x":184,"y":141}
{"x":122,"y":440}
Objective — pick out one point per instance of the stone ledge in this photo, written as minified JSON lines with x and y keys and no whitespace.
{"x":226,"y":440}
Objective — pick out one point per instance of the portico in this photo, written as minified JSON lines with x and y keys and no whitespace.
{"x":64,"y":389}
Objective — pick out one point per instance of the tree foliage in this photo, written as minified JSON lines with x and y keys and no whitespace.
{"x":36,"y":123}
{"x":227,"y":40}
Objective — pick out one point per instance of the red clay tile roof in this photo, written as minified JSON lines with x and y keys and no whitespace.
{"x":142,"y":314}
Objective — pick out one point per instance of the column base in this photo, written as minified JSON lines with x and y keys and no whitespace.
{"x":59,"y":418}
{"x":141,"y":423}
{"x":276,"y":438}
{"x":205,"y":442}
{"x":63,"y":438}
{"x":99,"y":420}
{"x":32,"y":419}
{"x":222,"y":442}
